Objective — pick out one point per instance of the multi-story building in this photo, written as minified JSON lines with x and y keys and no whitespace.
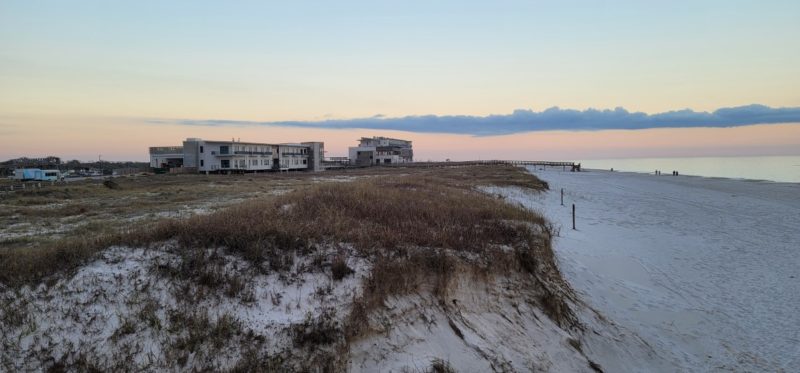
{"x":381,"y":150}
{"x":166,"y":157}
{"x":235,"y":156}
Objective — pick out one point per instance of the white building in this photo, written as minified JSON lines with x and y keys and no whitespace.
{"x":381,"y":150}
{"x":236,"y":156}
{"x":166,"y":156}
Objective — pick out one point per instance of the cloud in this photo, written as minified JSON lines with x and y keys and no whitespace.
{"x":548,"y":120}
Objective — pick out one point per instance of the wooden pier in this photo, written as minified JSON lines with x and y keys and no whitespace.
{"x":571,"y":166}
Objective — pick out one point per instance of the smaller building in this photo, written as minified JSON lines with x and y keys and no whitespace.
{"x":381,"y":150}
{"x":166,"y":157}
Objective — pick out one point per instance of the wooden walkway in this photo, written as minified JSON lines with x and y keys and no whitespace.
{"x":571,"y":166}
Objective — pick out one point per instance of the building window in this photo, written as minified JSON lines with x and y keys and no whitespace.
{"x":201,"y":161}
{"x":305,"y":161}
{"x":224,"y":150}
{"x":201,"y":148}
{"x":226,"y":163}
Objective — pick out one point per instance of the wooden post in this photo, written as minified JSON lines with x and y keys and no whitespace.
{"x":573,"y":216}
{"x":562,"y":196}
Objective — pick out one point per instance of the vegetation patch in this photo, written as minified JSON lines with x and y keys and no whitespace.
{"x":402,"y":222}
{"x":340,"y":269}
{"x":418,"y":229}
{"x":315,"y":332}
{"x":111,"y":184}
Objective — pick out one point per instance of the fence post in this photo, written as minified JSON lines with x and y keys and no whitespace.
{"x":573,"y":216}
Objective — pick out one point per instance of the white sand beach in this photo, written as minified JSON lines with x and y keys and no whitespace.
{"x":705,"y":270}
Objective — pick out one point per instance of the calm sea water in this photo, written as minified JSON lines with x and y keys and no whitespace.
{"x":774,"y":168}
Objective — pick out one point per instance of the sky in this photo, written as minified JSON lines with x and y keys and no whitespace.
{"x":462,"y":79}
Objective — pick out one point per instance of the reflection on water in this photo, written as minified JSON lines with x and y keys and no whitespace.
{"x":774,"y":168}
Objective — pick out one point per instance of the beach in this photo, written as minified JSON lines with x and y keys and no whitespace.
{"x":705,"y":270}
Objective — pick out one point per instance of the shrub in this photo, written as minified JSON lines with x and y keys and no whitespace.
{"x":339,"y":268}
{"x":314,"y":332}
{"x":441,"y":366}
{"x":110,"y":184}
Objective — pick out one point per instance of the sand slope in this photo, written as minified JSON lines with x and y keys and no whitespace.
{"x":707,"y":271}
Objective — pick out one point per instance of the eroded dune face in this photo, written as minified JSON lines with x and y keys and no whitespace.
{"x":130,"y":303}
{"x":135,"y":303}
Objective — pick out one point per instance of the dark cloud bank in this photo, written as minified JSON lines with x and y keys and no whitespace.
{"x":548,"y":120}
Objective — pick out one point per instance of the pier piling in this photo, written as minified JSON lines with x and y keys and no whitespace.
{"x":573,"y":216}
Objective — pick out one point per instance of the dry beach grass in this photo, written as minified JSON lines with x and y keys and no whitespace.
{"x":139,"y":213}
{"x":419,"y":228}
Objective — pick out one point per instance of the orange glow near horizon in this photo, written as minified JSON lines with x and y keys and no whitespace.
{"x":125,"y":139}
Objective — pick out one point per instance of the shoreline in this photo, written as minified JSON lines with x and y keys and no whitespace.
{"x":797,"y":183}
{"x":703,"y":269}
{"x":766,"y":168}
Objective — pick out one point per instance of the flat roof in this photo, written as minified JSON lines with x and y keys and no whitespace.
{"x":247,"y":143}
{"x":383,"y":138}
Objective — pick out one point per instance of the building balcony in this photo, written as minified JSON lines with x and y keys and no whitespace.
{"x":251,"y":153}
{"x":230,"y":154}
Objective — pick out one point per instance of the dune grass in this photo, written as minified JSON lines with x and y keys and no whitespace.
{"x":417,"y":226}
{"x":419,"y":229}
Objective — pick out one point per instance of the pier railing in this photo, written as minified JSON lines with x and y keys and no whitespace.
{"x":572,"y":166}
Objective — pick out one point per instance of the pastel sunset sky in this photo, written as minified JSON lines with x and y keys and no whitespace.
{"x":462,"y":79}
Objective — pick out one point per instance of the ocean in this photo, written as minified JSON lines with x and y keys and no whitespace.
{"x":772,"y":168}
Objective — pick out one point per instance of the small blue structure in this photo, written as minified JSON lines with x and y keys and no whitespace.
{"x":48,"y":175}
{"x":37,"y":174}
{"x":26,"y":173}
